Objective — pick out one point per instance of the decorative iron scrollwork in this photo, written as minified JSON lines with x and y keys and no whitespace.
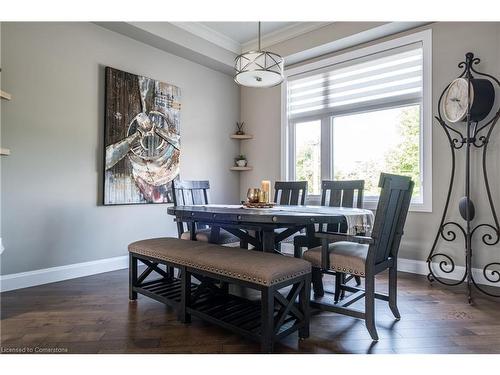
{"x":476,"y":135}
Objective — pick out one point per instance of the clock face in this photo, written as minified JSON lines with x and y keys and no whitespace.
{"x":455,"y":100}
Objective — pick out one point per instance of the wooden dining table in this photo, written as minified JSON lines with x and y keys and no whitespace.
{"x":270,"y":226}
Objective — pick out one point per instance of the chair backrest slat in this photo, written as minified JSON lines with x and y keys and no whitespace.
{"x":392,"y":210}
{"x":187,"y":193}
{"x":348,"y":198}
{"x":291,"y":193}
{"x":341,"y":194}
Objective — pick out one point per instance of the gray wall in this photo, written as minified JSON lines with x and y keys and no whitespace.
{"x":54,"y":126}
{"x":260,"y":109}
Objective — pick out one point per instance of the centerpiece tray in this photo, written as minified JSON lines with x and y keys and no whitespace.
{"x":259,"y":205}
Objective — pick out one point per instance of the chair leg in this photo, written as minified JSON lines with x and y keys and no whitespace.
{"x":358,"y":280}
{"x":393,"y":280}
{"x":243,"y":244}
{"x":342,"y":282}
{"x":317,"y":281}
{"x":338,"y":286}
{"x":370,"y":306}
{"x":297,"y":251}
{"x":170,"y":271}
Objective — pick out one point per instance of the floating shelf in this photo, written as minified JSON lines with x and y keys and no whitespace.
{"x":5,"y":95}
{"x":4,"y":151}
{"x":241,"y":136}
{"x":240,"y":169}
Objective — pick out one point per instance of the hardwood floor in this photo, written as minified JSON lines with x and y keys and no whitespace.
{"x":93,"y":315}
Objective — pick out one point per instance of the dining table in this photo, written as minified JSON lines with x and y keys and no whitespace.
{"x":265,"y":228}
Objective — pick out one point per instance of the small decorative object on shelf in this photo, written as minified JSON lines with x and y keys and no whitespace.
{"x":5,"y":95}
{"x":469,"y":99}
{"x":239,"y":125}
{"x":241,"y":161}
{"x":4,"y":151}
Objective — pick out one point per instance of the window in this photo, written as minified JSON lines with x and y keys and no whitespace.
{"x":356,"y":115}
{"x":308,"y":154}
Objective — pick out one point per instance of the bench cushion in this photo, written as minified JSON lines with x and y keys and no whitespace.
{"x":346,"y":257}
{"x":247,"y":265}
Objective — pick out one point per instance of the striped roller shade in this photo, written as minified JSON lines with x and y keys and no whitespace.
{"x":393,"y":76}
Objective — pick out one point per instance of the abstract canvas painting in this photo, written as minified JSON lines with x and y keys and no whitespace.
{"x":142,"y":139}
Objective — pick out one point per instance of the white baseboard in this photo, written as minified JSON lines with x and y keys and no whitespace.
{"x":54,"y":274}
{"x":72,"y":271}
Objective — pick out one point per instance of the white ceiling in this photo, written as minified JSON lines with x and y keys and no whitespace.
{"x":242,"y":36}
{"x":216,"y":44}
{"x":243,"y":32}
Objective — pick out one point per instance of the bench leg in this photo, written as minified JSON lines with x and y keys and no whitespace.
{"x":267,"y":320}
{"x":304,"y":299}
{"x":184,"y":316}
{"x":132,"y":277}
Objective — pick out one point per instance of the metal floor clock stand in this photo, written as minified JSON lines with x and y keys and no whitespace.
{"x":475,"y":139}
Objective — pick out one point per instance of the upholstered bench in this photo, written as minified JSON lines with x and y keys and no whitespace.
{"x":204,"y":271}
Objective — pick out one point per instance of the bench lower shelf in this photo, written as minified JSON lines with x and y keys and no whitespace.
{"x":226,"y":310}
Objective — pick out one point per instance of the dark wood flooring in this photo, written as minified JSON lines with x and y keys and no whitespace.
{"x":93,"y":315}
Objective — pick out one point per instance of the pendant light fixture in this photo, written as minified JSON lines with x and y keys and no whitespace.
{"x":259,"y":68}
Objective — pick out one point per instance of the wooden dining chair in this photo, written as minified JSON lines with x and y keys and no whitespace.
{"x":346,"y":193}
{"x":289,"y":193}
{"x":186,"y":193}
{"x":367,"y":256}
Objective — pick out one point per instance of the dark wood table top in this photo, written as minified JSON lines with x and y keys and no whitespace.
{"x":276,"y":215}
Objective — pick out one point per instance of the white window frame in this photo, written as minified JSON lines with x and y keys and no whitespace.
{"x":287,"y":156}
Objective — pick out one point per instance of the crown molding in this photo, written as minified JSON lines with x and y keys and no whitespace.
{"x":210,"y":35}
{"x":283,"y":34}
{"x":268,"y":39}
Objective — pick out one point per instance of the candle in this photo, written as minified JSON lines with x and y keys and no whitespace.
{"x":266,"y":188}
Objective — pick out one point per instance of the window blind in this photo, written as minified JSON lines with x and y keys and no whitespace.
{"x":391,"y":76}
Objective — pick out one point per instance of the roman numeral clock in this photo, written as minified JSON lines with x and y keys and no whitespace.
{"x":465,"y":113}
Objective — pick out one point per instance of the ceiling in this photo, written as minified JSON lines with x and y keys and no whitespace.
{"x":216,"y":44}
{"x":244,"y":32}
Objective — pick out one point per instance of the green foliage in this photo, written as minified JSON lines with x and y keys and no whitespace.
{"x":305,"y":167}
{"x":404,"y":159}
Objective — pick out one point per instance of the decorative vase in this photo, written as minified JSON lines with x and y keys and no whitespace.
{"x":241,"y":163}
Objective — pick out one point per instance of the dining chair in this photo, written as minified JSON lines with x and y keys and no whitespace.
{"x":290,"y":193}
{"x":367,"y":256}
{"x":345,"y":193}
{"x":186,"y":193}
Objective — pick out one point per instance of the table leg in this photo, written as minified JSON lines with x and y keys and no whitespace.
{"x":214,"y":234}
{"x":268,"y":240}
{"x":317,"y":275}
{"x":192,"y":231}
{"x":310,"y":231}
